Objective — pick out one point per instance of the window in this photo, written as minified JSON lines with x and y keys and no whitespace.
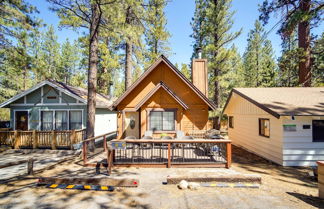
{"x":231,"y":122}
{"x":162,"y":120}
{"x":318,"y":130}
{"x":61,"y":120}
{"x":75,"y":120}
{"x":47,"y":120}
{"x":264,"y":127}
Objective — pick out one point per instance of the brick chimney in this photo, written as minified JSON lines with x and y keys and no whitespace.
{"x":199,"y":74}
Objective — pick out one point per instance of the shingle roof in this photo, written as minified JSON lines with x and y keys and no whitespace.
{"x":162,"y":58}
{"x":102,"y":101}
{"x":286,"y":100}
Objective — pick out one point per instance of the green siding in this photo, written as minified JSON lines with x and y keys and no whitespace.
{"x":68,"y":99}
{"x":50,"y":92}
{"x":34,"y":114}
{"x":34,"y":97}
{"x":19,"y":101}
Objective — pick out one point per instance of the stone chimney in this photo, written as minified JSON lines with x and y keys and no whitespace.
{"x":199,"y":73}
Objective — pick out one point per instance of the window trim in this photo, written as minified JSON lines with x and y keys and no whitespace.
{"x":231,"y":122}
{"x":312,"y":127}
{"x":68,"y":117}
{"x":148,"y":126}
{"x":260,"y":134}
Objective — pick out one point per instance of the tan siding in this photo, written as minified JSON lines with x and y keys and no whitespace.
{"x":246,"y":129}
{"x":196,"y":117}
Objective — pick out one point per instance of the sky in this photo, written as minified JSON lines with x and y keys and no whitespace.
{"x":179,"y":14}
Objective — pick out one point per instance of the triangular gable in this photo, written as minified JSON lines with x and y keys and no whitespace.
{"x":167,"y":89}
{"x":41,"y":84}
{"x":162,"y":58}
{"x":271,"y":112}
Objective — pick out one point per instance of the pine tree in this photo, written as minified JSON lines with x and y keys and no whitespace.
{"x":50,"y":55}
{"x":212,"y":24}
{"x":186,"y":71}
{"x":69,"y":61}
{"x":232,"y":76}
{"x":288,"y":62}
{"x":318,"y":62}
{"x":259,"y":63}
{"x":88,"y":14}
{"x":156,"y":34}
{"x":300,"y":15}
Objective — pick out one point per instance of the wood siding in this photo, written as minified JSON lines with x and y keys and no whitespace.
{"x":195,"y":117}
{"x":246,"y":129}
{"x":199,"y":75}
{"x":298,"y":146}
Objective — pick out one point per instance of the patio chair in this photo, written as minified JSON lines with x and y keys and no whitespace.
{"x":148,"y":133}
{"x":179,"y":134}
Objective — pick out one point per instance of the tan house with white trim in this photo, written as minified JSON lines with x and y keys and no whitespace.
{"x":284,"y":125}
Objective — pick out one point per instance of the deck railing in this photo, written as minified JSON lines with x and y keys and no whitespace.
{"x":170,"y":153}
{"x":42,"y":139}
{"x":96,"y":145}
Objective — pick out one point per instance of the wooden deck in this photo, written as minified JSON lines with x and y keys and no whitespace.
{"x":164,"y":153}
{"x":42,"y":139}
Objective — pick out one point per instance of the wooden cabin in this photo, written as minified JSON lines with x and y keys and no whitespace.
{"x":284,"y":125}
{"x":163,"y":101}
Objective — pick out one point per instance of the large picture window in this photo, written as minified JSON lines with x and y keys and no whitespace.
{"x":75,"y":120}
{"x":318,"y":130}
{"x":264,"y":127}
{"x":61,"y":122}
{"x":47,"y":120}
{"x":162,"y":120}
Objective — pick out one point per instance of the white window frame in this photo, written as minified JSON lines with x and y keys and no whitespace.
{"x":68,"y":117}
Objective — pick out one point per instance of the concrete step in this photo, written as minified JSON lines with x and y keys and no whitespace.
{"x":201,"y":177}
{"x":102,"y":181}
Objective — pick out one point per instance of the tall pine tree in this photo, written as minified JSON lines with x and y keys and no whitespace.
{"x":212,"y":24}
{"x":156,"y":34}
{"x":259,"y":63}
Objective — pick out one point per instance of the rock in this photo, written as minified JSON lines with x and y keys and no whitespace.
{"x":193,"y":186}
{"x":183,"y":184}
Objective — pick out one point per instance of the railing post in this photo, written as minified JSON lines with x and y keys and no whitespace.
{"x":53,"y":136}
{"x":34,"y":139}
{"x":84,"y":152}
{"x":228,"y":154}
{"x":72,"y":138}
{"x":169,"y":155}
{"x":110,"y":154}
{"x":17,"y":139}
{"x":30,"y":166}
{"x":105,"y":143}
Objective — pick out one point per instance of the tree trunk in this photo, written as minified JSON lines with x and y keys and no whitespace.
{"x":92,"y":73}
{"x":128,"y":65}
{"x":304,"y":43}
{"x":128,"y":52}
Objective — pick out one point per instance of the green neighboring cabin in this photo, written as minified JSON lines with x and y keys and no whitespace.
{"x":53,"y":105}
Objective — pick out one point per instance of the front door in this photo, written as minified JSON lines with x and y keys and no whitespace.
{"x":131,"y":124}
{"x":21,"y":118}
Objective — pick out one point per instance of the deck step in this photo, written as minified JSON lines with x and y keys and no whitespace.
{"x":102,"y":181}
{"x":230,"y":178}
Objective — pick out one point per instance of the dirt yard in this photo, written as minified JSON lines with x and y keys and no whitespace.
{"x":281,"y":188}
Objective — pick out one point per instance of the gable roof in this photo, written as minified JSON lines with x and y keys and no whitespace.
{"x":163,"y":59}
{"x":167,"y":89}
{"x":284,"y":101}
{"x":75,"y":92}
